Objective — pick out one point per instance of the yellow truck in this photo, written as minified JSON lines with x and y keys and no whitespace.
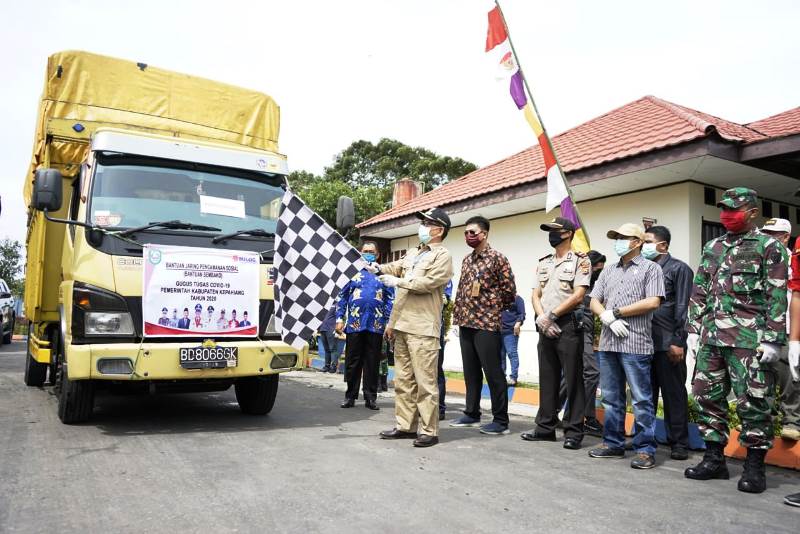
{"x":152,"y":200}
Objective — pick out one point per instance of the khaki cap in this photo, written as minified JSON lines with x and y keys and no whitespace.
{"x":627,"y":230}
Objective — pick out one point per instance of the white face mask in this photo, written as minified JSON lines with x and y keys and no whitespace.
{"x":424,"y":234}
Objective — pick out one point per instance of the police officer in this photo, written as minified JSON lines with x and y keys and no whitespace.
{"x":415,"y":326}
{"x":562,"y":278}
{"x":737,"y":325}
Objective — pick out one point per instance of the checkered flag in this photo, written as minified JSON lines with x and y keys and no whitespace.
{"x":313,"y":262}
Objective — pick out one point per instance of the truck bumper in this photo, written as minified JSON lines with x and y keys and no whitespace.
{"x":161,"y":361}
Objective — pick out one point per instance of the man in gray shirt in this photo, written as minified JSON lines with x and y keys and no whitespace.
{"x":625,"y":296}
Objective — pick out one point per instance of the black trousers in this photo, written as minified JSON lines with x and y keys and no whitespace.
{"x":480,"y":354}
{"x":591,"y":377}
{"x":362,"y":353}
{"x":557,"y":356}
{"x":440,"y":378}
{"x":670,"y":378}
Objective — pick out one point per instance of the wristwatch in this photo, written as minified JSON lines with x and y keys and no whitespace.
{"x":552,"y":316}
{"x":617,"y":313}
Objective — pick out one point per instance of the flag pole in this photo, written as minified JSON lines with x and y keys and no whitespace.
{"x":541,"y":123}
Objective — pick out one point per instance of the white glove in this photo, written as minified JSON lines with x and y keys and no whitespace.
{"x":544,"y":322}
{"x":553,"y":331}
{"x":692,"y":342}
{"x":619,"y":327}
{"x":608,"y":317}
{"x":373,"y":267}
{"x":794,"y":360}
{"x":388,"y":280}
{"x":770,"y":352}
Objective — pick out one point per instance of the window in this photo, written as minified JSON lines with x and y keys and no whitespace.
{"x":709,"y":196}
{"x":783,"y":211}
{"x":711,"y":230}
{"x":128,"y":193}
{"x":766,"y":208}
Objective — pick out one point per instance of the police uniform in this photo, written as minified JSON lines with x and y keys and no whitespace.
{"x":737,"y":308}
{"x":557,"y":280}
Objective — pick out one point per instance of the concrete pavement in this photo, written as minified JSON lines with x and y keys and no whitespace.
{"x":193,"y":463}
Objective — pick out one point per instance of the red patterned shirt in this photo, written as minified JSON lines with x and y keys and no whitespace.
{"x":485,"y":289}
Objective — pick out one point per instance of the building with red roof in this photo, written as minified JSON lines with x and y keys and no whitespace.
{"x":649,"y":161}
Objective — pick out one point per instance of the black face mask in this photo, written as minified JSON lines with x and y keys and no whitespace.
{"x":595,"y":276}
{"x":555,"y":238}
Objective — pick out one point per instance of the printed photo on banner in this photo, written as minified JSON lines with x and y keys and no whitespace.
{"x":193,"y":292}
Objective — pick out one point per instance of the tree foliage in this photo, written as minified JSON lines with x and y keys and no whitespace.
{"x":11,"y":265}
{"x":364,"y":164}
{"x":367,"y":172}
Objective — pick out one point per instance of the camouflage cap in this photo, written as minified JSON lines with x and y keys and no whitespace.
{"x":737,"y":197}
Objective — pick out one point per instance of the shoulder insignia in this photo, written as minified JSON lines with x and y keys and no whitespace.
{"x":545,"y":257}
{"x":581,"y":254}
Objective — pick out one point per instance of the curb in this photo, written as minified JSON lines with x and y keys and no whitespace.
{"x":784,"y":453}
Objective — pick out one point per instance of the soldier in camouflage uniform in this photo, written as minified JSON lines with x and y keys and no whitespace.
{"x":737,"y":324}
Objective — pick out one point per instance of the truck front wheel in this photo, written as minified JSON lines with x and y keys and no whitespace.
{"x":75,"y":398}
{"x":256,"y":394}
{"x":35,"y":372}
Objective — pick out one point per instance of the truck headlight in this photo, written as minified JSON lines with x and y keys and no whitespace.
{"x":99,"y":312}
{"x":108,"y":324}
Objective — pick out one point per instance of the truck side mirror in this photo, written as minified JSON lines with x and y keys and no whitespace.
{"x":47,"y":190}
{"x":345,"y":214}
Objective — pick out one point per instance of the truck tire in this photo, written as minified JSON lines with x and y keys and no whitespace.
{"x":7,"y":337}
{"x":256,"y":394}
{"x":75,"y":399}
{"x":35,"y":372}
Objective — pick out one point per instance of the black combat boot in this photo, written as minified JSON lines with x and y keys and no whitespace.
{"x":754,"y":479}
{"x":384,"y":383}
{"x":712,"y":466}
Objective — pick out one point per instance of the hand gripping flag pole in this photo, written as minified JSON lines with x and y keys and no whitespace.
{"x":498,"y":42}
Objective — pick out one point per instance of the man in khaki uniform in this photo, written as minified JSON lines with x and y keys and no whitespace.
{"x":415,"y":325}
{"x":562,"y":281}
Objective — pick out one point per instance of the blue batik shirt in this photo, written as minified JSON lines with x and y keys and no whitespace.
{"x":364,"y":304}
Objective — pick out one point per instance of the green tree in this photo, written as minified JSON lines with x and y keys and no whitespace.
{"x":11,"y":265}
{"x":364,"y":164}
{"x":367,"y":172}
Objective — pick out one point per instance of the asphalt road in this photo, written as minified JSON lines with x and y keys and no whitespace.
{"x":193,"y":463}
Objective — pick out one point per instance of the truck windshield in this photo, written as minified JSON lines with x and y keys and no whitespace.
{"x":129,"y":195}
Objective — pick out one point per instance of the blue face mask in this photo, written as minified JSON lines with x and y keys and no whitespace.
{"x":368,"y":256}
{"x":622,"y":247}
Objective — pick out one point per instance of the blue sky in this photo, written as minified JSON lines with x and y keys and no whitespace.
{"x":413,"y":70}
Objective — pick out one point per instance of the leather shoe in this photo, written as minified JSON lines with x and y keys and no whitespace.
{"x":572,"y":444}
{"x":371,"y":404}
{"x":533,"y":436}
{"x":397,"y":434}
{"x":424,"y":440}
{"x":348,"y":403}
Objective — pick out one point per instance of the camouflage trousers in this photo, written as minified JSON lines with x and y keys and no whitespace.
{"x":717,"y":371}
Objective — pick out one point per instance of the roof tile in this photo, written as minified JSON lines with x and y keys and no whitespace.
{"x":782,"y":124}
{"x":641,"y":126}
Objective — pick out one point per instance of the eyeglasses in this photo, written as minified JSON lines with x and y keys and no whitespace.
{"x":472,"y":233}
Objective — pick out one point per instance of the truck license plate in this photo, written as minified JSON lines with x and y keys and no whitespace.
{"x":209,"y":357}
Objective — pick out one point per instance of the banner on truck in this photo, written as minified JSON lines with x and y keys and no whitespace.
{"x":194,"y":292}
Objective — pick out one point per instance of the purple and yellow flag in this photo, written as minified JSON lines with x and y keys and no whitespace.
{"x":498,"y":45}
